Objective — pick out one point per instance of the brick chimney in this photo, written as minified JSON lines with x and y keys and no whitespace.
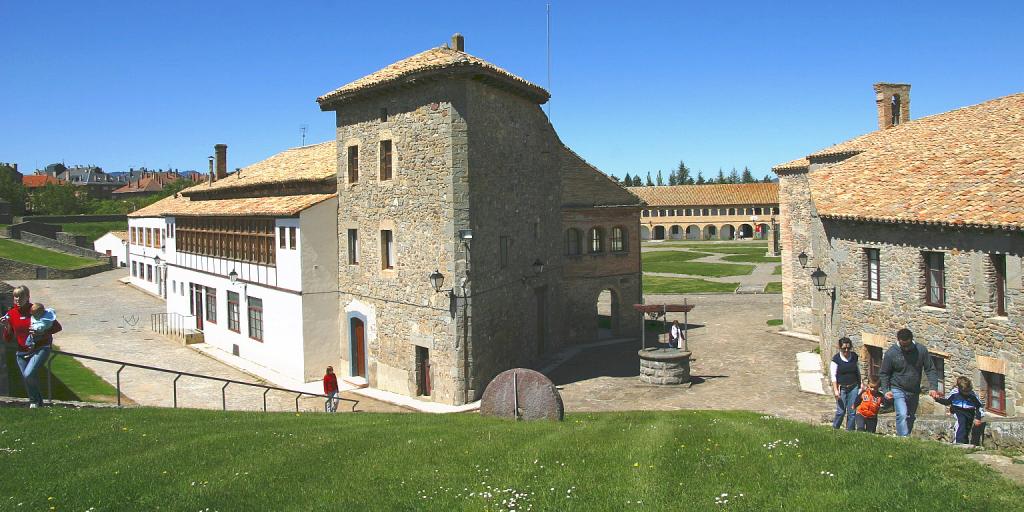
{"x":211,"y":170}
{"x":893,"y":102}
{"x":458,"y":42}
{"x":220,"y":152}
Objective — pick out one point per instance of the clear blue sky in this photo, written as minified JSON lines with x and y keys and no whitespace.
{"x":636,"y":87}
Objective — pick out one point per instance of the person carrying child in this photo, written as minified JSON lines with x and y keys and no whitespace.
{"x":964,"y":403}
{"x":870,"y":401}
{"x":40,"y":325}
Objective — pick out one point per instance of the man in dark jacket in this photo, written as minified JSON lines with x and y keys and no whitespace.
{"x":901,"y":370}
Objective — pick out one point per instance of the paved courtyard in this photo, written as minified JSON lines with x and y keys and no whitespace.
{"x":105,"y":318}
{"x":741,"y":363}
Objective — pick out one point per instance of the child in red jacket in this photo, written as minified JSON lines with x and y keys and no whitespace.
{"x":331,"y":390}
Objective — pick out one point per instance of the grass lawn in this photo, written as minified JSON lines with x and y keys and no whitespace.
{"x":697,"y":268}
{"x":150,"y":459}
{"x":773,"y":287}
{"x":94,"y":230}
{"x":29,"y":254}
{"x":777,"y":271}
{"x":759,"y":257}
{"x":658,"y":284}
{"x":725,"y":247}
{"x":777,"y":321}
{"x":71,"y":381}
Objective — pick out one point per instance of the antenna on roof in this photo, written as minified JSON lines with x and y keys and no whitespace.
{"x":549,"y":60}
{"x":303,"y":128}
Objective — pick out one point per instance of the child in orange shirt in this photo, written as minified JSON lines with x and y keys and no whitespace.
{"x":870,"y":401}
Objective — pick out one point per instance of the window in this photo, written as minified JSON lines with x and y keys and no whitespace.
{"x":174,"y":286}
{"x":146,"y":238}
{"x":573,"y":242}
{"x":618,"y":239}
{"x":894,"y":109}
{"x":170,"y":230}
{"x":281,"y":238}
{"x":646,"y":213}
{"x":134,"y":272}
{"x":873,"y":277}
{"x":999,"y":273}
{"x":874,"y":358}
{"x":233,"y":311}
{"x":385,"y":160}
{"x":994,"y":392}
{"x":149,"y":273}
{"x":689,"y":211}
{"x":383,"y":115}
{"x":255,"y":318}
{"x":211,"y":305}
{"x":940,"y":371}
{"x":423,"y":371}
{"x":131,"y":236}
{"x":596,"y":239}
{"x":935,"y":279}
{"x":503,"y":251}
{"x":387,"y":250}
{"x":156,"y":238}
{"x":241,"y":239}
{"x":292,"y":235}
{"x":353,"y":164}
{"x":353,"y":247}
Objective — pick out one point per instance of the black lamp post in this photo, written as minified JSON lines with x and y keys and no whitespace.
{"x":802,"y":258}
{"x":818,"y":278}
{"x":775,"y":237}
{"x":436,"y":280}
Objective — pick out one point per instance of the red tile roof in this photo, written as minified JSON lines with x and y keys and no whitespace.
{"x":709,"y":195}
{"x":964,"y":167}
{"x":39,"y":180}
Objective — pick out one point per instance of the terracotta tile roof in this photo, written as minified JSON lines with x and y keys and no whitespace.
{"x":709,"y":195}
{"x":584,"y":185}
{"x":314,"y":163}
{"x":39,"y":180}
{"x":963,"y":167}
{"x":431,"y":62}
{"x":273,"y":206}
{"x":148,"y":184}
{"x":123,"y":235}
{"x":799,"y":163}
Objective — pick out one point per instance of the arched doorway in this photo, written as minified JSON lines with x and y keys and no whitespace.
{"x":659,"y":232}
{"x":357,"y":338}
{"x":763,"y":231}
{"x":728,"y":232}
{"x":710,"y":232}
{"x":645,"y":233}
{"x":693,"y":232}
{"x":746,"y":231}
{"x":676,"y":233}
{"x":607,"y":314}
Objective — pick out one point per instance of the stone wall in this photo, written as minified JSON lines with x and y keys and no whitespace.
{"x":15,"y":270}
{"x":74,"y":218}
{"x":38,"y":228}
{"x":798,"y":226}
{"x":50,"y":243}
{"x":73,"y":239}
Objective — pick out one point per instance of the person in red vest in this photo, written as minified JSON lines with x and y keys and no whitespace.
{"x":15,"y":327}
{"x":331,"y":390}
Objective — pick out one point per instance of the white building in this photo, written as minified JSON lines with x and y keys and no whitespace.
{"x":251,"y":260}
{"x":114,"y":244}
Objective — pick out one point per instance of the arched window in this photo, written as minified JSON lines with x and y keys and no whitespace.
{"x":895,"y":109}
{"x":596,"y":240}
{"x":573,"y":242}
{"x":647,"y":213}
{"x":618,"y":239}
{"x":732,"y":211}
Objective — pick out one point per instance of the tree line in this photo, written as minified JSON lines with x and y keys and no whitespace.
{"x":683,"y":175}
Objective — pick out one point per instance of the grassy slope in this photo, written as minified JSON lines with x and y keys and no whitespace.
{"x":94,"y":230}
{"x":777,"y":271}
{"x":678,"y":262}
{"x":752,"y":258}
{"x":773,"y":287}
{"x":658,"y":284}
{"x":144,"y":459}
{"x":72,"y":381}
{"x":29,"y":254}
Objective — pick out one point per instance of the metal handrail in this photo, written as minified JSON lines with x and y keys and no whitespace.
{"x":178,"y":375}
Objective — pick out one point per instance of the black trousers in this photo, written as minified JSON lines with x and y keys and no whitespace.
{"x":866,"y":424}
{"x":964,"y":425}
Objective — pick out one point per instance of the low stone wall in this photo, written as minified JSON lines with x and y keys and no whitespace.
{"x":15,"y":270}
{"x":664,"y":366}
{"x":75,"y":218}
{"x":997,"y":433}
{"x":38,"y":228}
{"x":73,"y":239}
{"x":56,"y":245}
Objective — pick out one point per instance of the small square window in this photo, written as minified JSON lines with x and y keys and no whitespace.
{"x":995,"y":392}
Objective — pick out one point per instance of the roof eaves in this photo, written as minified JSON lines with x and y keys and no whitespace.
{"x":897,"y":220}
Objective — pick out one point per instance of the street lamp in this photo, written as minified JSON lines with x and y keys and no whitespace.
{"x":775,"y":237}
{"x":233,"y":276}
{"x":436,"y":280}
{"x":802,"y":258}
{"x":818,"y":278}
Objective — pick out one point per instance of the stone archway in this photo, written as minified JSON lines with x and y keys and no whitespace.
{"x":675,"y":233}
{"x":607,"y":310}
{"x":727,"y":232}
{"x":710,"y":232}
{"x":693,"y":232}
{"x":645,"y":233}
{"x":659,"y":232}
{"x":746,"y":231}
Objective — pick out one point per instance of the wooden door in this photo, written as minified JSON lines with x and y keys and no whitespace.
{"x":197,"y":294}
{"x":358,"y":348}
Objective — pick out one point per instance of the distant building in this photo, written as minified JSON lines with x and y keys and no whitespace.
{"x":148,"y":183}
{"x":919,"y":224}
{"x":11,"y":170}
{"x":708,"y":212}
{"x":114,"y":244}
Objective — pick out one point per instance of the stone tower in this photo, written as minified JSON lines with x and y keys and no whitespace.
{"x":893,"y":102}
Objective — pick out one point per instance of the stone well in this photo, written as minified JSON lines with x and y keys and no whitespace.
{"x":664,"y":366}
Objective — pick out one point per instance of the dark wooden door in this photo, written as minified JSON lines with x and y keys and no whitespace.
{"x":197,"y":294}
{"x":358,"y":348}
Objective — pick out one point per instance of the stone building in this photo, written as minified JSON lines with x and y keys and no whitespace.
{"x":450,"y":175}
{"x":917,"y":225}
{"x":708,"y":212}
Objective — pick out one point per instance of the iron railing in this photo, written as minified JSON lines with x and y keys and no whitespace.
{"x":173,"y":324}
{"x":179,"y":374}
